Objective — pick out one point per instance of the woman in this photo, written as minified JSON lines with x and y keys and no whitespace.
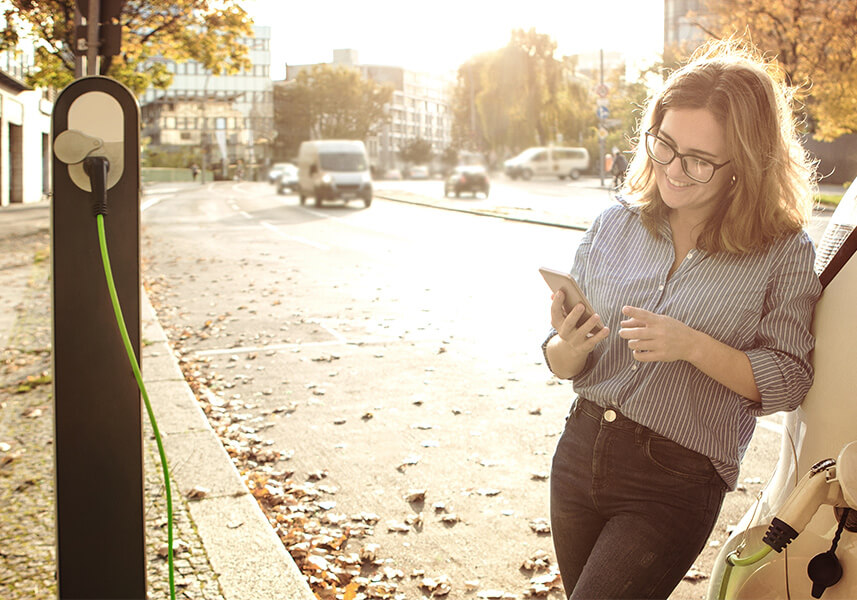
{"x":703,"y":278}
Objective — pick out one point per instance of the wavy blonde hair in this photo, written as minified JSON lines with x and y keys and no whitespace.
{"x":772,"y":191}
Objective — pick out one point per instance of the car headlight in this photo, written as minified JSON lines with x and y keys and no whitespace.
{"x":326,"y":179}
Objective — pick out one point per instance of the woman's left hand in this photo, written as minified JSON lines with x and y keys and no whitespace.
{"x":656,"y":338}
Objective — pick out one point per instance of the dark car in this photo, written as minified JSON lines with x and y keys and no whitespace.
{"x":471,"y":179}
{"x":287,"y":179}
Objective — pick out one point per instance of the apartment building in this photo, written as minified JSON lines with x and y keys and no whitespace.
{"x":25,"y":128}
{"x":232,"y":115}
{"x":420,"y":108}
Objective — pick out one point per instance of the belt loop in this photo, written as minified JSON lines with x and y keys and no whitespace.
{"x":640,"y":435}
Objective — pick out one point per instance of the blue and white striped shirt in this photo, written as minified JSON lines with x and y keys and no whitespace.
{"x":760,"y":303}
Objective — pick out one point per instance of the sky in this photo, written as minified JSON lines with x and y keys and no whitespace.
{"x":439,"y":35}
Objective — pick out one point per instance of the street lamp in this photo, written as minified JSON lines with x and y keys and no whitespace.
{"x":204,"y":139}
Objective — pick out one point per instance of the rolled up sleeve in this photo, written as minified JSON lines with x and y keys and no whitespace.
{"x":780,"y":359}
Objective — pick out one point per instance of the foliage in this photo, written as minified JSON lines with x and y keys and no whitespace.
{"x":813,"y":42}
{"x":416,"y":151}
{"x":449,"y":157}
{"x":292,"y":119}
{"x":522,"y":95}
{"x":327,"y":102}
{"x":207,"y":31}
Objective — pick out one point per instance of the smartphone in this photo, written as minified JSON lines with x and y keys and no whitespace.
{"x":557,"y":280}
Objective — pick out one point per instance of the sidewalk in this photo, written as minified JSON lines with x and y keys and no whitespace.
{"x":225,"y":548}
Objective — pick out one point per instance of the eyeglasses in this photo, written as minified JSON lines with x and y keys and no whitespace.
{"x":698,"y":169}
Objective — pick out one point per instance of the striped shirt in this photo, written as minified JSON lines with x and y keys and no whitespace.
{"x":760,"y":303}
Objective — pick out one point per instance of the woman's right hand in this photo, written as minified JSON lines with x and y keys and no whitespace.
{"x":568,"y":350}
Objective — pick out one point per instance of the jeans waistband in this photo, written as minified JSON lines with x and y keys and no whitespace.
{"x":612,"y":416}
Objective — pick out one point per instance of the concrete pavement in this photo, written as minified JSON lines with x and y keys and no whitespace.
{"x":227,"y":549}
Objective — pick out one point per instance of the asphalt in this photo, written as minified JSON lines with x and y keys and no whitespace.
{"x":228,"y":550}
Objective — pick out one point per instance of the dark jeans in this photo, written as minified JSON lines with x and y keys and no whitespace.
{"x":630,"y":509}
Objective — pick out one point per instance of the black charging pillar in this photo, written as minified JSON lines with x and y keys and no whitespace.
{"x":98,"y":436}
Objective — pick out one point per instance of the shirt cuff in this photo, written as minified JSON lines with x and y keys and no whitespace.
{"x":781,"y":381}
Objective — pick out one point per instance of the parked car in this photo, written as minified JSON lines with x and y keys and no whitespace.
{"x":418,"y":172}
{"x":393,"y":174}
{"x":287,"y":179}
{"x":275,"y":171}
{"x":552,"y":161}
{"x":467,"y":178}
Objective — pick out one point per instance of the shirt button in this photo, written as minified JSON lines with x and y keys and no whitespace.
{"x":661,"y":288}
{"x":634,"y":368}
{"x":690,"y":254}
{"x":609,"y":415}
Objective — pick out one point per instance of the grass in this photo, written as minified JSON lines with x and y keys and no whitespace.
{"x":831,"y":200}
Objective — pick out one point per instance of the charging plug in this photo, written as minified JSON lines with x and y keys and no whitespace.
{"x":96,"y":167}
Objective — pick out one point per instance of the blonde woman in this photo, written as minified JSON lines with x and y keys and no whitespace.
{"x":703,"y":278}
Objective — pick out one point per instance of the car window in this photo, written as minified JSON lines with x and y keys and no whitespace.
{"x":342,"y":161}
{"x":540,"y":156}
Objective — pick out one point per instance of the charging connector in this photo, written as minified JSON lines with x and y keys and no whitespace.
{"x":96,"y":167}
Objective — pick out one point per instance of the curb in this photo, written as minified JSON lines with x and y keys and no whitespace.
{"x":246,"y":554}
{"x":550,"y":221}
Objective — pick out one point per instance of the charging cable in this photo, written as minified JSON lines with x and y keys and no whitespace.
{"x":97,"y":167}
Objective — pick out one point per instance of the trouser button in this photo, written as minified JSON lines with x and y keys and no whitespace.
{"x":609,"y":415}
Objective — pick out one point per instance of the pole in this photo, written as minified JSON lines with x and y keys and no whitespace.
{"x":92,"y":38}
{"x":204,"y":130}
{"x":600,"y":137}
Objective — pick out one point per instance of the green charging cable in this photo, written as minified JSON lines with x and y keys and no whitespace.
{"x":732,"y":560}
{"x":120,"y":320}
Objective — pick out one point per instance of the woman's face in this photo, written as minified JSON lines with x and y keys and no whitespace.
{"x":696,"y":132}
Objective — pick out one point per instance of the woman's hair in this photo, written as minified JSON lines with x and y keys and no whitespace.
{"x":771,"y":194}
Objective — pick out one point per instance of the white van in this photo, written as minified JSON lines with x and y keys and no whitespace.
{"x":334,"y":170}
{"x":553,"y":161}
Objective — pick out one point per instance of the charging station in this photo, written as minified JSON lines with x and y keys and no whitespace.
{"x":98,"y":433}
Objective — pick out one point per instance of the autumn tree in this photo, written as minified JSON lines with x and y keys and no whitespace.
{"x":328,"y":102}
{"x":292,"y":119}
{"x":812,"y":41}
{"x":518,"y":96}
{"x":207,"y":31}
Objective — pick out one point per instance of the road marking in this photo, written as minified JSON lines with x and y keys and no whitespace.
{"x":245,"y":214}
{"x":153,"y":201}
{"x":293,"y":238}
{"x":246,"y":349}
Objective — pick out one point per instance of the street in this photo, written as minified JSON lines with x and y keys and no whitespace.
{"x":381,"y":369}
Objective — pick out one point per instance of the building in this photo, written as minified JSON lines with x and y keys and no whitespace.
{"x":420,"y":108}
{"x":25,"y":133}
{"x":682,"y":19}
{"x":233,"y":114}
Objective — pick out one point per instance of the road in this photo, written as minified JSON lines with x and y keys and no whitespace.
{"x":377,"y":353}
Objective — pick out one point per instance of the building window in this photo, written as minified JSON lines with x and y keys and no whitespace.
{"x":185,"y":135}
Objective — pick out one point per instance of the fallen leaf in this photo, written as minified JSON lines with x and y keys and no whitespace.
{"x":197,"y":492}
{"x":369,"y":552}
{"x":416,"y":495}
{"x":540,"y":526}
{"x":397,"y":527}
{"x":694,"y":574}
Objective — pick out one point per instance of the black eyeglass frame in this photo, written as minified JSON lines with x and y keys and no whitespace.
{"x":681,"y":157}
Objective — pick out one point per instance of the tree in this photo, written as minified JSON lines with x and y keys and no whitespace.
{"x":333,"y":102}
{"x":518,"y":96}
{"x":416,"y":151}
{"x":813,"y":43}
{"x":292,"y":119}
{"x":207,"y":31}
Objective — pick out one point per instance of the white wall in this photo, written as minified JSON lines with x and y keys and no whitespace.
{"x":27,"y":110}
